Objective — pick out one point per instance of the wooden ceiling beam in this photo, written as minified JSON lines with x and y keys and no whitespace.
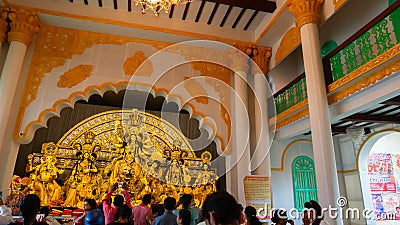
{"x":373,"y":119}
{"x":258,"y":5}
{"x":392,"y":101}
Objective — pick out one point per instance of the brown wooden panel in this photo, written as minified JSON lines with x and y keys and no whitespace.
{"x":186,"y":11}
{"x":250,"y":20}
{"x":226,"y":16}
{"x":213,"y":14}
{"x":200,"y":11}
{"x":258,"y":5}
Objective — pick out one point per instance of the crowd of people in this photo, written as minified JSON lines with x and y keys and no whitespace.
{"x":219,"y":208}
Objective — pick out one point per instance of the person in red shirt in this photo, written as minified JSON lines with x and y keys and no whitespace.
{"x":142,"y":214}
{"x":110,"y":210}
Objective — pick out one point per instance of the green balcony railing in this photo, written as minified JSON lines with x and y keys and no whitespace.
{"x":374,"y":39}
{"x":290,"y":95}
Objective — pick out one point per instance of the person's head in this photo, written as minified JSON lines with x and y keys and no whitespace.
{"x":29,"y":206}
{"x":185,"y":199}
{"x":312,"y":212}
{"x":118,"y":200}
{"x":146,"y":199}
{"x":123,"y":212}
{"x":221,"y":208}
{"x":89,"y":204}
{"x":250,"y":211}
{"x":45,"y":210}
{"x":279,"y":217}
{"x":183,"y":217}
{"x":169,"y":203}
{"x":94,"y":217}
{"x":398,"y":209}
{"x":205,"y":167}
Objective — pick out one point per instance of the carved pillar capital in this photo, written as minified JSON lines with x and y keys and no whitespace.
{"x":239,"y":55}
{"x":305,"y":11}
{"x":3,"y":23}
{"x":24,"y":24}
{"x":261,"y":56}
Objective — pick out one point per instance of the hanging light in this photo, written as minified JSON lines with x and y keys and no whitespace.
{"x":356,"y":133}
{"x":156,"y":6}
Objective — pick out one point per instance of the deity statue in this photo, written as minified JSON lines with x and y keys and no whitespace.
{"x":174,"y":174}
{"x":206,"y":176}
{"x":45,"y":174}
{"x":155,"y":170}
{"x":80,"y":181}
{"x":123,"y":169}
{"x":118,"y":140}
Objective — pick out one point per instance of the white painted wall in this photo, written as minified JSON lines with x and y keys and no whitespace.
{"x":349,"y":179}
{"x":290,"y":68}
{"x":282,"y":183}
{"x":361,"y":11}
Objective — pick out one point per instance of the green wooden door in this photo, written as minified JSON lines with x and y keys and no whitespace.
{"x":304,"y":181}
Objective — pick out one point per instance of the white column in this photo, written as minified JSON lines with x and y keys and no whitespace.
{"x":307,"y":17}
{"x":23,"y":25}
{"x":324,"y":153}
{"x":260,"y":161}
{"x":241,"y":122}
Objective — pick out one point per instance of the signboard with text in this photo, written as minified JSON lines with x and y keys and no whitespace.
{"x":257,"y":192}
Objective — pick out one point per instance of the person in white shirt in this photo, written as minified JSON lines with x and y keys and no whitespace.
{"x":5,"y":213}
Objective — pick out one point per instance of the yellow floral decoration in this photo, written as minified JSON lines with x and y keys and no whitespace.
{"x":74,"y":76}
{"x":134,"y":62}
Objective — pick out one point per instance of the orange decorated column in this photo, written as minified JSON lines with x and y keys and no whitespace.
{"x":307,"y":19}
{"x":260,"y":161}
{"x":24,"y":24}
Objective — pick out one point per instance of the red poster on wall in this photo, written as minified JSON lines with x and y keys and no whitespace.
{"x":381,"y":173}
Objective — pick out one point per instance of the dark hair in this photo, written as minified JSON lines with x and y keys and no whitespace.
{"x":250,"y":211}
{"x":29,"y":206}
{"x":94,"y":217}
{"x":118,"y":200}
{"x":240,"y":207}
{"x":251,"y":214}
{"x":92,"y":203}
{"x":169,"y":203}
{"x":157,"y":209}
{"x":100,"y":207}
{"x":185,"y":199}
{"x":123,"y":212}
{"x":313,"y":205}
{"x":44,"y":210}
{"x":278,"y":215}
{"x":185,"y":216}
{"x":146,"y":199}
{"x":224,"y":206}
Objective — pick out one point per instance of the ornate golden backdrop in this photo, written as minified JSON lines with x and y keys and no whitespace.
{"x":130,"y":147}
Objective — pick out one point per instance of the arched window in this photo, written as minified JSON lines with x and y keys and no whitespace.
{"x":304,"y":181}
